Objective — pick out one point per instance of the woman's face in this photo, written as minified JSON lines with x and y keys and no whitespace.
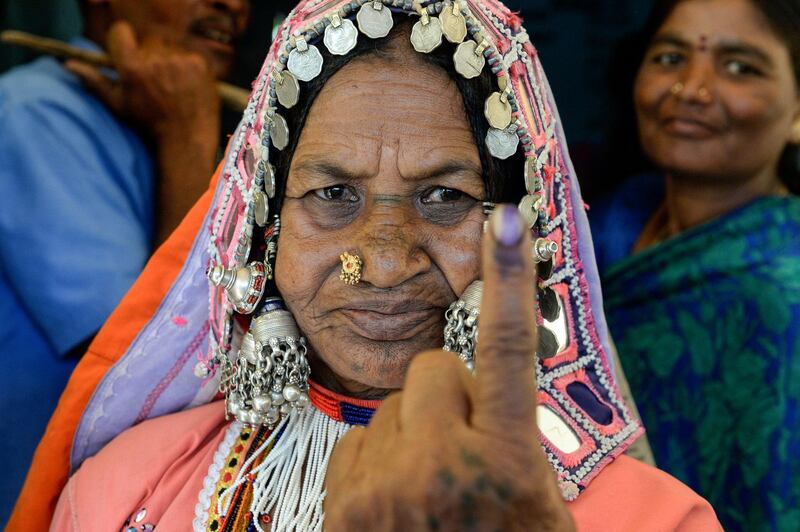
{"x":386,"y":168}
{"x":716,"y":95}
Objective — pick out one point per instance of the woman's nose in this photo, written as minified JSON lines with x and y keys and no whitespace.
{"x":696,"y":84}
{"x":391,"y":247}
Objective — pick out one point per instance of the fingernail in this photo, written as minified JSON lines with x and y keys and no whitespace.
{"x":507,"y":225}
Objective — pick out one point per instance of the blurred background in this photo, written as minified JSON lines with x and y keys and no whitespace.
{"x":584,"y":46}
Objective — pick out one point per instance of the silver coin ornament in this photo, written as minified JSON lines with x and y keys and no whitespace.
{"x":529,"y":208}
{"x":468,"y":59}
{"x":502,"y":143}
{"x":287,"y":88}
{"x":454,"y":25}
{"x":261,"y":208}
{"x":279,"y":131}
{"x":341,"y":36}
{"x":426,"y":35}
{"x":305,"y":61}
{"x":374,"y":20}
{"x":497,"y":110}
{"x":269,"y":180}
{"x":531,"y":178}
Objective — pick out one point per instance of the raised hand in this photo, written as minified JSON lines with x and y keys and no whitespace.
{"x":169,"y":95}
{"x":453,"y":451}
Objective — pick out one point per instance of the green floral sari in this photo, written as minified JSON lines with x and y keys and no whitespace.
{"x":708,"y":330}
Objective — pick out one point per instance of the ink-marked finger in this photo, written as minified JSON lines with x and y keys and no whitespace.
{"x":505,"y":355}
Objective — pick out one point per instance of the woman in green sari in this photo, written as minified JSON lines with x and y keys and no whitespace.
{"x":701,"y":262}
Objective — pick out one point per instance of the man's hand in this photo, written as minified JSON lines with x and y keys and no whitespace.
{"x":170,"y":96}
{"x":453,"y":451}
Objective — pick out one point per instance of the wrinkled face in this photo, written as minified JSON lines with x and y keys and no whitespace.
{"x":208,"y":27}
{"x":386,"y":168}
{"x":716,"y":95}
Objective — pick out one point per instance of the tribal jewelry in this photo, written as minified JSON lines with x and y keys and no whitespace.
{"x":351,"y":268}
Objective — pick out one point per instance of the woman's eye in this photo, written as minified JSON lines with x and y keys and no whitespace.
{"x":442,"y":195}
{"x":337,"y":193}
{"x":668,"y":59}
{"x":740,"y":68}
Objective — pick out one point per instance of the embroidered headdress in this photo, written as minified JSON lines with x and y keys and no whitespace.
{"x":172,"y":363}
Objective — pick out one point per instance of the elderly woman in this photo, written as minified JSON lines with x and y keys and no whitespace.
{"x":701,"y":261}
{"x":343,"y":240}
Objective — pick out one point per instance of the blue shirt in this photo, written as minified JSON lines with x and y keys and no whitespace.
{"x":76,"y":228}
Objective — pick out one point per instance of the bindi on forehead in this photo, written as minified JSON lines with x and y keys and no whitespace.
{"x":702,"y":44}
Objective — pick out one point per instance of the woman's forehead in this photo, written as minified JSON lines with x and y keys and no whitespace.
{"x":382,"y":108}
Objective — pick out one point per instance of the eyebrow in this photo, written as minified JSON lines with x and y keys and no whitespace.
{"x":332,"y":169}
{"x":729,"y":46}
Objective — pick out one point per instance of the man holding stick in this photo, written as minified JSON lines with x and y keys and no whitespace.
{"x":97,"y":167}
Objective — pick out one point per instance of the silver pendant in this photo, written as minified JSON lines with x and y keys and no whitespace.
{"x":269,"y":180}
{"x":305,"y":61}
{"x":468,"y":59}
{"x":426,"y":35}
{"x":261,"y":208}
{"x":454,"y":25}
{"x":529,"y":208}
{"x":502,"y":143}
{"x":531,"y":177}
{"x":497,"y":110}
{"x":287,"y":88}
{"x":374,"y":20}
{"x":341,"y":36}
{"x":279,"y":131}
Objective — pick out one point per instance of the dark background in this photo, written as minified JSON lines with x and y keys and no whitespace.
{"x":585,"y":46}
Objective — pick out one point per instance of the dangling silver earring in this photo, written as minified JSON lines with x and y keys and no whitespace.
{"x":461,"y":331}
{"x":270,"y":377}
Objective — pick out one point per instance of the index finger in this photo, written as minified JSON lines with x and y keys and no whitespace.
{"x":505,"y":354}
{"x":122,"y":44}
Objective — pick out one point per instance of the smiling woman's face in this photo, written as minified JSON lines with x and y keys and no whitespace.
{"x":387,"y":168}
{"x":716,"y":95}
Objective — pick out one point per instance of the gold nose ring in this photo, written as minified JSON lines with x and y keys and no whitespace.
{"x":703,"y":93}
{"x":351,"y":268}
{"x":677,"y":88}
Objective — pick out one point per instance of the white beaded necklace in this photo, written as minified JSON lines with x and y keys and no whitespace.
{"x":289,"y":482}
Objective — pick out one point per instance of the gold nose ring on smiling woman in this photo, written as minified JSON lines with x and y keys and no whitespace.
{"x":351,"y":268}
{"x":677,"y":88}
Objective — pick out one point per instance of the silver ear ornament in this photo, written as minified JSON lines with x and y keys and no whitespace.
{"x":461,"y":331}
{"x":270,"y":376}
{"x":244,"y":286}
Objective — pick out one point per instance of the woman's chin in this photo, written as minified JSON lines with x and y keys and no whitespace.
{"x":360,"y":364}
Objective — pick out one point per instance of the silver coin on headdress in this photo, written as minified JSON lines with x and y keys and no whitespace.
{"x":468,"y":59}
{"x":278,"y":131}
{"x":261,"y":208}
{"x":305,"y":61}
{"x":426,"y":35}
{"x":454,"y":25}
{"x":374,"y":20}
{"x":287,"y":88}
{"x":532,"y":180}
{"x":497,"y":110}
{"x":529,"y":208}
{"x":341,"y":36}
{"x":502,"y":143}
{"x":269,"y":180}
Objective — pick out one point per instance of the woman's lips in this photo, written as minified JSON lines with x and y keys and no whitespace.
{"x":391,"y":327}
{"x":689,"y":128}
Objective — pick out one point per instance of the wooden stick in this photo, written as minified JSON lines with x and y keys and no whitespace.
{"x":233,"y":97}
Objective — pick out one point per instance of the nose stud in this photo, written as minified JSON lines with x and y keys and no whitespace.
{"x":351,"y":268}
{"x":677,"y":88}
{"x":703,"y":93}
